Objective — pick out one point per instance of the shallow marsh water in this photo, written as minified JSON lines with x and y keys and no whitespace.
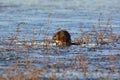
{"x":71,"y":15}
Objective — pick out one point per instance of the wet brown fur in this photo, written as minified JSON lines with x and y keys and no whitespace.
{"x":62,"y":38}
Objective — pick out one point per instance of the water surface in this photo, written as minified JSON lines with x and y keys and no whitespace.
{"x":48,"y":16}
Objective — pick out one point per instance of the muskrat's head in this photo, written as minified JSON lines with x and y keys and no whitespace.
{"x":62,"y":38}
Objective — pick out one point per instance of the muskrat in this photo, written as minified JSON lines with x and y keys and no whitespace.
{"x":62,"y":38}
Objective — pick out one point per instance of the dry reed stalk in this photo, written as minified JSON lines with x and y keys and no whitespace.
{"x":112,"y":67}
{"x":66,"y":78}
{"x":2,"y":77}
{"x":96,"y":34}
{"x":99,"y":20}
{"x":35,"y":74}
{"x":82,"y":32}
{"x":111,"y":33}
{"x":80,"y":63}
{"x":25,"y":46}
{"x":84,"y":66}
{"x":78,"y":41}
{"x":33,"y":38}
{"x":8,"y":74}
{"x":94,"y":29}
{"x":101,"y":33}
{"x":119,"y":73}
{"x":48,"y":25}
{"x":18,"y":27}
{"x":12,"y":39}
{"x":108,"y":21}
{"x":86,"y":40}
{"x":112,"y":58}
{"x":96,"y":66}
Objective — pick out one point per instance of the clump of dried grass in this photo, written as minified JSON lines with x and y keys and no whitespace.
{"x":103,"y":34}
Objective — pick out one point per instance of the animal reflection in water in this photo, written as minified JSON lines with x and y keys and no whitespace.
{"x":62,"y":38}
